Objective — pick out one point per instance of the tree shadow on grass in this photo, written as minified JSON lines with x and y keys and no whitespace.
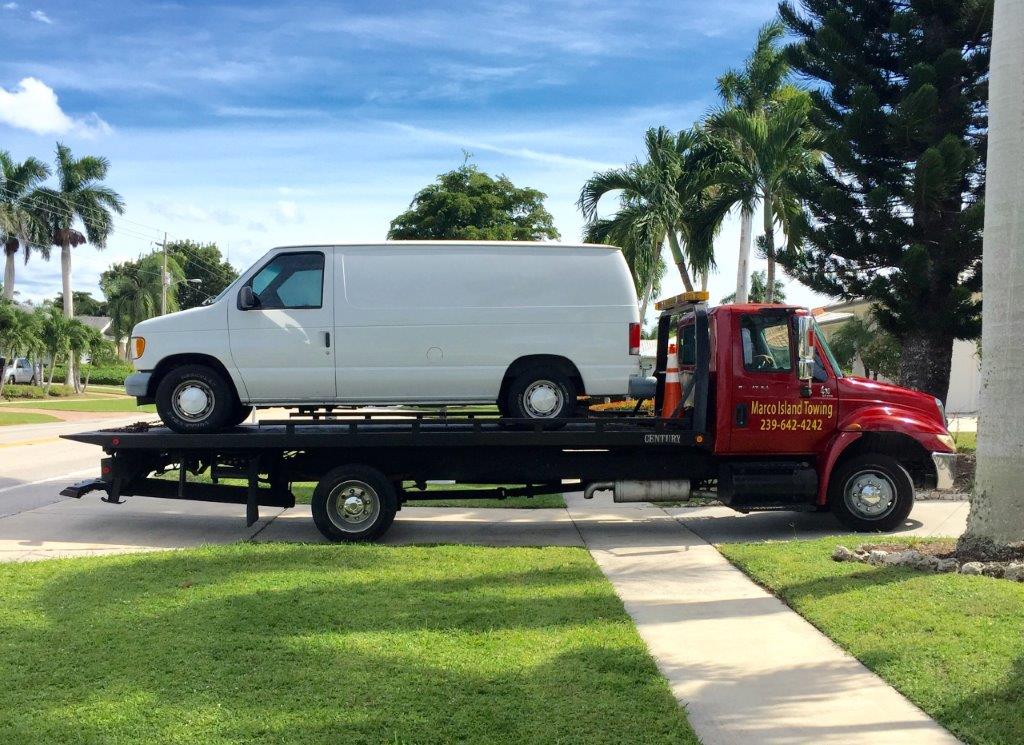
{"x":302,"y":644}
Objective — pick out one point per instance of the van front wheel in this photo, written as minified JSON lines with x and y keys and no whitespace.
{"x":541,"y":393}
{"x":194,"y":399}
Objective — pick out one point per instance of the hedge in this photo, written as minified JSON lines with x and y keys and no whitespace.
{"x":100,"y":375}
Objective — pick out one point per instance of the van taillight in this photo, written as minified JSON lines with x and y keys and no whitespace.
{"x":634,"y":338}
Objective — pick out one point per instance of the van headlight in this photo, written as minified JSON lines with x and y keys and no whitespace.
{"x":942,"y":410}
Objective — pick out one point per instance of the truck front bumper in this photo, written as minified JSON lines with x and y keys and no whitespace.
{"x":137,"y":384}
{"x":945,"y":470}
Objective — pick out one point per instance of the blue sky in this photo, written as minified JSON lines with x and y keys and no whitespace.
{"x":255,"y":124}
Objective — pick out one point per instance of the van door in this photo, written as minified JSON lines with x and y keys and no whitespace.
{"x":769,"y":413}
{"x":284,"y":348}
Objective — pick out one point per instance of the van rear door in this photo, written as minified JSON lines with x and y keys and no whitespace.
{"x":284,"y":347}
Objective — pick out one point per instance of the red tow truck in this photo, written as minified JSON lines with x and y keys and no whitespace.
{"x":765,"y":420}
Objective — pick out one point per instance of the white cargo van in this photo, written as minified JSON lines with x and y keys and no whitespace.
{"x":530,"y":326}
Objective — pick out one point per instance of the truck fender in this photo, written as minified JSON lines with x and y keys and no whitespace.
{"x":839,"y":444}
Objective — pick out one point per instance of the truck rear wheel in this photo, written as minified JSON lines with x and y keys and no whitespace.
{"x":354,"y":503}
{"x":541,"y":393}
{"x":871,"y":492}
{"x":195,"y":399}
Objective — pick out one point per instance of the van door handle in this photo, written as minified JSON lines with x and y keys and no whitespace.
{"x":327,"y":339}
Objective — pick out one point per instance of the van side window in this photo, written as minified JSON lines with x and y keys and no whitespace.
{"x":290,"y":281}
{"x":765,"y":341}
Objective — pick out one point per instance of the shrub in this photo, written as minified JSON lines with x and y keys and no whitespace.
{"x":107,"y":374}
{"x":32,"y":392}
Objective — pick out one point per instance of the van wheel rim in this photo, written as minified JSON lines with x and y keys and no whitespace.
{"x":193,"y":400}
{"x":352,"y":506}
{"x":870,"y":494}
{"x":543,"y":400}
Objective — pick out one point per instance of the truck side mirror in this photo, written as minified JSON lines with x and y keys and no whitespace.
{"x":247,"y":299}
{"x":805,"y":353}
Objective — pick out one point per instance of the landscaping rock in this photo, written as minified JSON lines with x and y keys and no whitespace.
{"x":928,"y":563}
{"x":947,"y":565}
{"x":842,"y":553}
{"x":877,"y":557}
{"x":972,"y":567}
{"x":1014,"y":571}
{"x":993,"y":569}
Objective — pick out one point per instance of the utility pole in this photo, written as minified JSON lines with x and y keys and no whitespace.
{"x":164,"y":280}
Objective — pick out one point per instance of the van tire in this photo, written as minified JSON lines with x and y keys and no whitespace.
{"x":532,"y":390}
{"x":871,"y":474}
{"x":194,"y":412}
{"x":241,"y":413}
{"x":336,"y":509}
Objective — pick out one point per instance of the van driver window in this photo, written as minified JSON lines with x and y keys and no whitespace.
{"x":290,"y":281}
{"x":765,"y":343}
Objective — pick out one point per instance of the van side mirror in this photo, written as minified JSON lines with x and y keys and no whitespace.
{"x":805,"y":353}
{"x":247,"y":299}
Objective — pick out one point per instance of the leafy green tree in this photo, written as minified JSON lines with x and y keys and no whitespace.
{"x":468,"y":204}
{"x":84,"y":303}
{"x":878,"y":349}
{"x":22,"y":221}
{"x":87,"y":341}
{"x":202,"y":261}
{"x":895,"y":215}
{"x":55,"y":332}
{"x":759,"y":290}
{"x":656,"y":200}
{"x":133,"y":289}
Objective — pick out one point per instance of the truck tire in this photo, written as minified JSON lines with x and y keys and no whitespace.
{"x":195,"y":399}
{"x":541,"y":393}
{"x":354,"y":503}
{"x":871,"y":493}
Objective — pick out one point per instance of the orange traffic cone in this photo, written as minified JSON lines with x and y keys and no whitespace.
{"x":673,"y":391}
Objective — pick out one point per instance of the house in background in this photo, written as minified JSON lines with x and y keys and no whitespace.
{"x":965,"y":367}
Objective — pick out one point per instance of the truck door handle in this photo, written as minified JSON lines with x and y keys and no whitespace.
{"x":741,"y":415}
{"x":327,"y":339}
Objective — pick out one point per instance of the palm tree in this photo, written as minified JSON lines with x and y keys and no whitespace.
{"x":655,"y":199}
{"x":641,"y":246}
{"x":133,"y":291}
{"x":55,"y":331}
{"x":81,"y":198}
{"x":759,"y":290}
{"x":758,"y":87}
{"x":762,"y":157}
{"x":22,"y":221}
{"x":996,"y":516}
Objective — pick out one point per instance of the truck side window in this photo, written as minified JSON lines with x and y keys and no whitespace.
{"x":765,"y":343}
{"x":290,"y":281}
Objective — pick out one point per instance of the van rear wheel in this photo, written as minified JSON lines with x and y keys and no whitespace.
{"x":541,"y":393}
{"x":195,"y":399}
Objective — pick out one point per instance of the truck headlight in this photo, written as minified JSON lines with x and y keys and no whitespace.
{"x":137,"y":345}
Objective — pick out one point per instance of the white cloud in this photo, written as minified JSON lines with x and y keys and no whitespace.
{"x":10,"y":6}
{"x":40,"y":16}
{"x":33,"y":105}
{"x":188,"y":212}
{"x":288,"y":212}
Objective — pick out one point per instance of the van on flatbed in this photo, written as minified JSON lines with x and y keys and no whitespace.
{"x":529,"y":326}
{"x":764,"y":420}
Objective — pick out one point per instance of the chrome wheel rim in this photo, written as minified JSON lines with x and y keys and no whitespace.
{"x":870,"y":494}
{"x":352,"y":506}
{"x":193,"y":400}
{"x":543,"y":400}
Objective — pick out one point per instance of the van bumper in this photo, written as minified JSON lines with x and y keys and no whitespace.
{"x":945,"y":470}
{"x":137,"y":384}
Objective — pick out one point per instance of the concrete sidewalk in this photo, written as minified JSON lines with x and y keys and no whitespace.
{"x":746,"y":667}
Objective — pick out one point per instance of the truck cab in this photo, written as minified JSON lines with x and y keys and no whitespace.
{"x":786,"y":424}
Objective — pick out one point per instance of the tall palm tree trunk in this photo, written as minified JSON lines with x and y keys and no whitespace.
{"x":769,"y":246}
{"x":997,"y":505}
{"x":743,"y":265}
{"x":10,"y":248}
{"x":69,"y":307}
{"x":49,"y":380}
{"x":645,"y":298}
{"x":680,"y":260}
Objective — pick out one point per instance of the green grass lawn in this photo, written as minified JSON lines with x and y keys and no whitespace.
{"x":303,"y":492}
{"x":95,"y":404}
{"x":15,"y":417}
{"x":966,"y":442}
{"x":300,"y":643}
{"x":953,"y":644}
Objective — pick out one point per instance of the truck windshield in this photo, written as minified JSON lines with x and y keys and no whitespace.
{"x":828,"y":352}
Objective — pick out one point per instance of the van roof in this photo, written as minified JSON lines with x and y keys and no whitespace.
{"x":454,"y":244}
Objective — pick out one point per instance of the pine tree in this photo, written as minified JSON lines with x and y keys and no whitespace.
{"x":895,"y":215}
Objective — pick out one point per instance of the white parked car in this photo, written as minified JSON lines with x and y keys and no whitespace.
{"x":530,"y":326}
{"x":20,"y":370}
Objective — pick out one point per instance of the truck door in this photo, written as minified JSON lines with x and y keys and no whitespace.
{"x":769,"y":415}
{"x":283,"y":348}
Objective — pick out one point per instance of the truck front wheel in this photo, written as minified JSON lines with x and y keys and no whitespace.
{"x":354,"y":503}
{"x":871,"y":492}
{"x":195,"y":399}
